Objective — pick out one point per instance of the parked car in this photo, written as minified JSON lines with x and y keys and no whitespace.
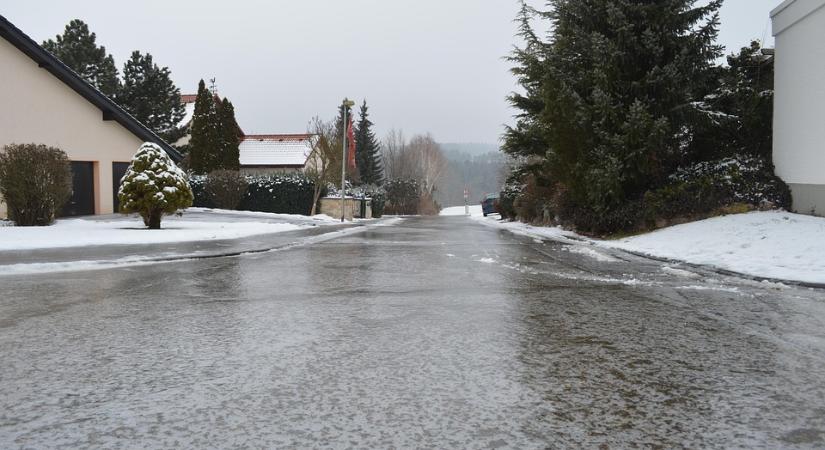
{"x":490,"y":204}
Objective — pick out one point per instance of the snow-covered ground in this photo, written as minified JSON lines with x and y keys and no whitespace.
{"x":770,"y":244}
{"x":475,"y":211}
{"x":82,"y":233}
{"x":322,"y":218}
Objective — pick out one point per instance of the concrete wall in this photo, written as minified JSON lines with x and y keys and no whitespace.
{"x":36,"y":107}
{"x":331,"y":206}
{"x":799,"y":111}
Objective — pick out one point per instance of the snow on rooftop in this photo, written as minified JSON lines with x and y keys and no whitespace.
{"x":275,"y":150}
{"x":189,"y":112}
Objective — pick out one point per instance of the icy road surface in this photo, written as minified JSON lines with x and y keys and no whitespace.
{"x":432,"y":333}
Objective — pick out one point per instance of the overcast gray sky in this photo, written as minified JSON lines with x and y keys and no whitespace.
{"x":422,"y":65}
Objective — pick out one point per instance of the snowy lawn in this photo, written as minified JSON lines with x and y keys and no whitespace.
{"x":770,"y":244}
{"x":81,"y":233}
{"x":322,"y":218}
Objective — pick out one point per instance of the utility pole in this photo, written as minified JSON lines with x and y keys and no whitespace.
{"x":346,"y":104}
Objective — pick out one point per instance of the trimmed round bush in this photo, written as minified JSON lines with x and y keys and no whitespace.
{"x":153,"y":186}
{"x":35,"y":182}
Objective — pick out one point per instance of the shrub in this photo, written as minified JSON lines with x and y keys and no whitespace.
{"x":427,"y":206}
{"x":627,"y":216}
{"x":512,"y":188}
{"x":35,"y":181}
{"x":403,"y":196}
{"x":285,"y":193}
{"x":289,"y":193}
{"x":225,"y":188}
{"x":153,"y":185}
{"x":704,"y":187}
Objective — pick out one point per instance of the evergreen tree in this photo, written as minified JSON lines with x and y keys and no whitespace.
{"x":153,"y":186}
{"x":609,"y":96}
{"x":78,"y":50}
{"x":340,"y":138}
{"x":340,"y":126}
{"x":736,"y":118}
{"x":150,"y":96}
{"x":205,"y":143}
{"x":230,"y":137}
{"x":367,"y":150}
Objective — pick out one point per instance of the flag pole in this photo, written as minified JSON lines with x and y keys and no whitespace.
{"x":345,"y":125}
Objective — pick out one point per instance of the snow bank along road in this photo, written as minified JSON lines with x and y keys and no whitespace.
{"x":433,"y":333}
{"x":99,"y":243}
{"x":771,"y":244}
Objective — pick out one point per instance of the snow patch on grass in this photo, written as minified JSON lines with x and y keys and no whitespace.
{"x":82,"y":233}
{"x":769,"y":244}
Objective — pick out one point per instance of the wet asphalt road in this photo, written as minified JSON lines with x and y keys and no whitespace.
{"x":430,"y":333}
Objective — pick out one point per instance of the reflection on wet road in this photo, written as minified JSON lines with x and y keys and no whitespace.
{"x":432,"y":333}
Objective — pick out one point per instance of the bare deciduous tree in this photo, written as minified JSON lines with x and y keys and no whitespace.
{"x":325,"y":161}
{"x":428,"y":160}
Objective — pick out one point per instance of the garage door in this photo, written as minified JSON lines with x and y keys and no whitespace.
{"x":82,"y":202}
{"x":118,"y":170}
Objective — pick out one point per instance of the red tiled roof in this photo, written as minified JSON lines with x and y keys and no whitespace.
{"x":188,"y":98}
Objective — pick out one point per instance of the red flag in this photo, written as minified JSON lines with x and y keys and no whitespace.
{"x":351,"y":141}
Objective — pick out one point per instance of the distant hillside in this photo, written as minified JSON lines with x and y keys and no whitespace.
{"x":480,"y":173}
{"x":472,"y":149}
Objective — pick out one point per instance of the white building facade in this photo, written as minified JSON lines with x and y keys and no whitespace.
{"x":799,"y":108}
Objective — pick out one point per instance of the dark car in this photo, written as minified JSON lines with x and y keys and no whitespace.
{"x":489,"y":204}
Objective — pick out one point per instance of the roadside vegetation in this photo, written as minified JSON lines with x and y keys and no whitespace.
{"x":627,"y":122}
{"x":153,"y":186}
{"x":35,"y":182}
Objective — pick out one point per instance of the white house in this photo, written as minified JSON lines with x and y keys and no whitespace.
{"x":269,"y":153}
{"x":45,"y":102}
{"x":799,"y":103}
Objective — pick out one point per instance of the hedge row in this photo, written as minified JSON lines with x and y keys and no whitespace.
{"x":289,"y":193}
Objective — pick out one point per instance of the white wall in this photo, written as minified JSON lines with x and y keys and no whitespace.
{"x":37,"y":107}
{"x":799,"y":114}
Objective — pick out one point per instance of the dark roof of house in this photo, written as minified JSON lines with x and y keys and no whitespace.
{"x":109,"y":109}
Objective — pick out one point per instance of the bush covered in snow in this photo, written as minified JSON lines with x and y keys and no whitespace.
{"x":153,"y":186}
{"x":226,"y":188}
{"x":704,"y":187}
{"x":403,"y":196}
{"x":692,"y":192}
{"x":284,"y":193}
{"x":511,"y":190}
{"x":35,"y":181}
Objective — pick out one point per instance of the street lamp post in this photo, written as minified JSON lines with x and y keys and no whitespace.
{"x":346,"y":104}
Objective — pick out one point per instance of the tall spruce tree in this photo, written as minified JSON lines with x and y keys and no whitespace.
{"x":78,"y":50}
{"x":230,"y":137}
{"x":148,"y":94}
{"x":736,"y":118}
{"x":205,"y":143}
{"x":367,"y":150}
{"x":609,"y":95}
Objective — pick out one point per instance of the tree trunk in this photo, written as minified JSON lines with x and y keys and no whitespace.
{"x":315,"y":196}
{"x":154,"y":220}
